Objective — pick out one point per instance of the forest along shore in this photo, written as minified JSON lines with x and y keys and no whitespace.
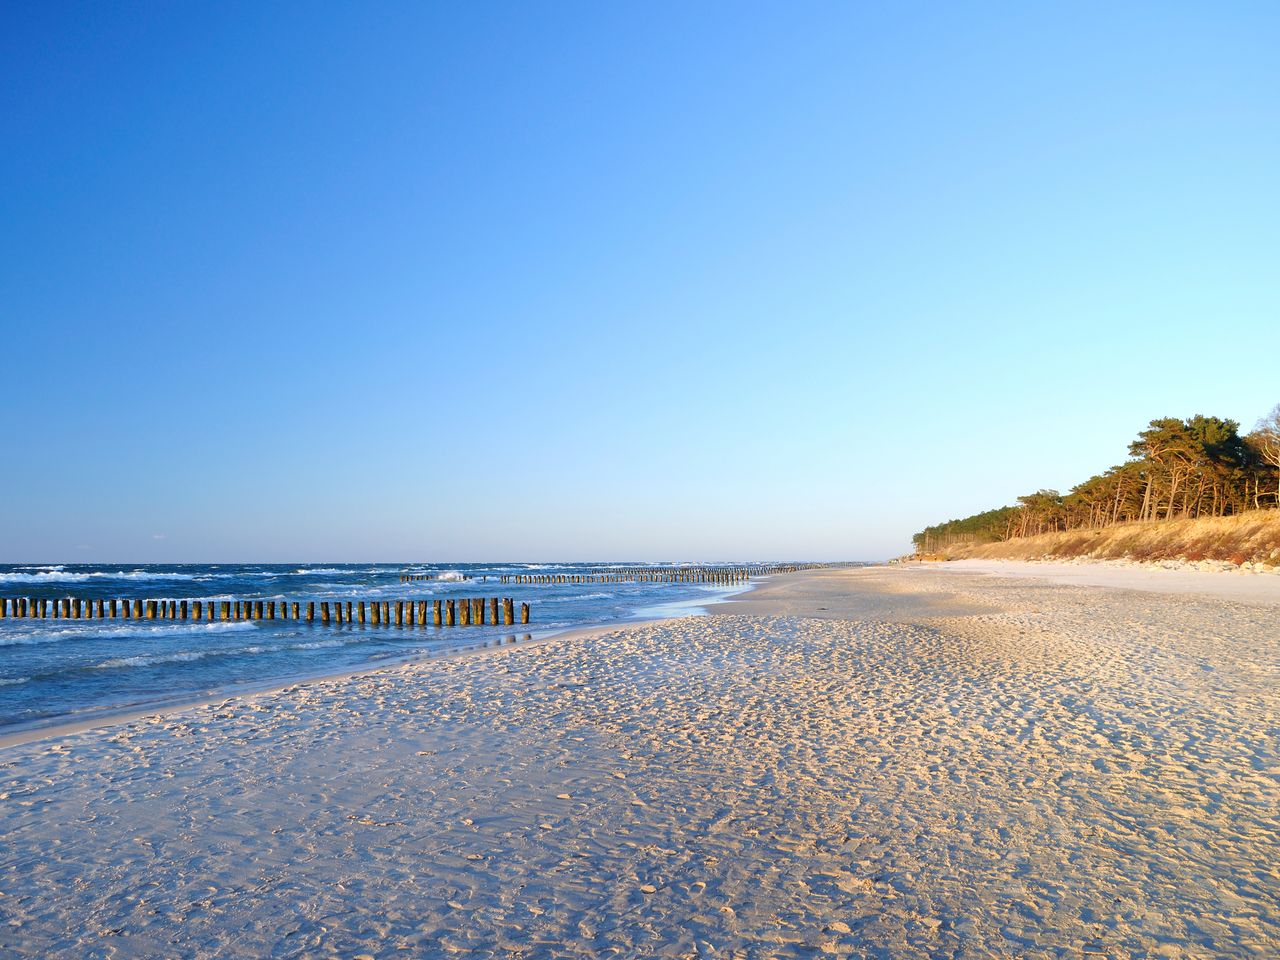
{"x":1247,"y":541}
{"x":1194,"y":489}
{"x":875,"y":761}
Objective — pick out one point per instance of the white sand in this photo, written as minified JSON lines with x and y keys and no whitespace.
{"x":1252,"y":586}
{"x":977,"y":767}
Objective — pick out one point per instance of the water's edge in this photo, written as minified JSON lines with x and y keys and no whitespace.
{"x":93,"y":719}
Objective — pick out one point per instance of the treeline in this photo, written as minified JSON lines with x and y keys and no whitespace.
{"x":1198,"y":467}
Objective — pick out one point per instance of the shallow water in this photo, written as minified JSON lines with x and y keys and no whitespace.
{"x":56,"y":669}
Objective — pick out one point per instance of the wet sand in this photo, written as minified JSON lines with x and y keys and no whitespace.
{"x":879,"y":762}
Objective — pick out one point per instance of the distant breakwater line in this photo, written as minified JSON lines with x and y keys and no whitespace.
{"x":727,"y":576}
{"x":470,"y":611}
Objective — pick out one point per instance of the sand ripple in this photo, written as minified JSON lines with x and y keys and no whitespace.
{"x":1083,"y":773}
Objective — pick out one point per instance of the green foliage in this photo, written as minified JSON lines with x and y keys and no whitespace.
{"x":980,"y":528}
{"x":1200,"y":466}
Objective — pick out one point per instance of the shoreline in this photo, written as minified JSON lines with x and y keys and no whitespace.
{"x":269,"y":687}
{"x":57,"y":729}
{"x":1259,"y":588}
{"x":65,"y":666}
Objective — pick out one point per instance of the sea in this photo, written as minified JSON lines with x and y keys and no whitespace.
{"x":57,"y":670}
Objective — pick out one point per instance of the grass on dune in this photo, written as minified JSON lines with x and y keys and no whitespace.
{"x":1252,"y":537}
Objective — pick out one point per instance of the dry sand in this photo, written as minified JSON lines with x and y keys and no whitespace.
{"x":1175,"y":577}
{"x":880,"y":762}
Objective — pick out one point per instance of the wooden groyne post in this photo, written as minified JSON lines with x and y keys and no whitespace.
{"x":724,"y":575}
{"x":468,"y":611}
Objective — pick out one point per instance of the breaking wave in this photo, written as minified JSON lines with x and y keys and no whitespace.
{"x":70,"y":576}
{"x":99,"y":629}
{"x":577,"y":599}
{"x":187,"y":656}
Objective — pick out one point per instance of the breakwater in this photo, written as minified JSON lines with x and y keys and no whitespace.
{"x":62,"y":653}
{"x":401,"y":613}
{"x":726,"y":576}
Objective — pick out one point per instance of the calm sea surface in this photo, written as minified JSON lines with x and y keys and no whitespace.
{"x":55,"y":670}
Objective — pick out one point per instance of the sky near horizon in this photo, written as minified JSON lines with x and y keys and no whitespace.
{"x":405,"y":281}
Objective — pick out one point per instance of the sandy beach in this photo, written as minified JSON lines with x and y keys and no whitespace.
{"x":879,"y":762}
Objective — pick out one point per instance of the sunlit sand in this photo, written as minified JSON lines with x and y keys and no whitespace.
{"x":879,"y":762}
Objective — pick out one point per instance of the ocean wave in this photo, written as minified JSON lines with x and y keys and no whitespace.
{"x":431,"y":576}
{"x":356,"y":592}
{"x":12,"y":681}
{"x":580,"y":597}
{"x":52,"y":576}
{"x":27,"y":641}
{"x":145,"y":575}
{"x":66,"y":576}
{"x":106,"y":629}
{"x":188,"y":656}
{"x":147,"y":660}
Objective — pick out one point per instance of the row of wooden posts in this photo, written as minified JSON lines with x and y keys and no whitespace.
{"x":721,"y":575}
{"x":402,"y":613}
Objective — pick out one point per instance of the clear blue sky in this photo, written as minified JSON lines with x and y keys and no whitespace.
{"x":480,"y":281}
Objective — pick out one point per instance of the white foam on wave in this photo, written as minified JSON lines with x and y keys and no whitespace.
{"x":357,"y":592}
{"x":451,"y":576}
{"x":580,"y":597}
{"x":145,"y":575}
{"x":11,"y":681}
{"x":64,"y":576}
{"x":147,"y":660}
{"x":106,"y":629}
{"x":50,"y":576}
{"x":25,"y":641}
{"x":187,"y":656}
